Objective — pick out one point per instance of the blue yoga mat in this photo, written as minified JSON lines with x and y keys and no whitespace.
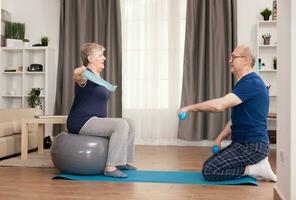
{"x":173,"y":177}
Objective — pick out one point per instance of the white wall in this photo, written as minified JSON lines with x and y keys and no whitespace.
{"x":248,"y":13}
{"x":286,"y":147}
{"x":41,"y":17}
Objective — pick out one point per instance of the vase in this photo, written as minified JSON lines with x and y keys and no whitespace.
{"x":14,"y":43}
{"x":266,"y":17}
{"x":266,"y":41}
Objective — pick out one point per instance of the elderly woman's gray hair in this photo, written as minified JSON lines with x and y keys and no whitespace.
{"x":88,"y":49}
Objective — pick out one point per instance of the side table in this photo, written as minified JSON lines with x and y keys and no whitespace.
{"x":40,"y":121}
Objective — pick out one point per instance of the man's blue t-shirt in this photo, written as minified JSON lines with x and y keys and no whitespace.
{"x":89,"y":101}
{"x":249,"y":119}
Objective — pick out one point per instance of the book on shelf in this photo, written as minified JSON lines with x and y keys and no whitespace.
{"x":9,"y":70}
{"x":13,"y":69}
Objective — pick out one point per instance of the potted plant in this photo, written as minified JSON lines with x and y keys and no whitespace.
{"x":26,"y":42}
{"x":266,"y":14}
{"x":44,"y":41}
{"x":266,"y":38}
{"x":34,"y":100}
{"x":14,"y":34}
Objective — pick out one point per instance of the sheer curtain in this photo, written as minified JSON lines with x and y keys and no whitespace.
{"x":153,"y":45}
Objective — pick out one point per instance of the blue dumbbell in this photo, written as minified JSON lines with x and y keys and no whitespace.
{"x":215,"y":149}
{"x":182,"y":115}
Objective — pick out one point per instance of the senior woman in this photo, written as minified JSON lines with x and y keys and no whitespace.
{"x":89,"y":110}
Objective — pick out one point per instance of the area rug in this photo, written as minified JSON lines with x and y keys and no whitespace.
{"x":34,"y":160}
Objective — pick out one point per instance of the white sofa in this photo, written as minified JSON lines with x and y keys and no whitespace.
{"x":10,"y":130}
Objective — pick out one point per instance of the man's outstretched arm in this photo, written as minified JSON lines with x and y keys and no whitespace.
{"x":214,"y":105}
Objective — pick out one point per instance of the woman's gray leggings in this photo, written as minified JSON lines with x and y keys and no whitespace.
{"x":121,"y":137}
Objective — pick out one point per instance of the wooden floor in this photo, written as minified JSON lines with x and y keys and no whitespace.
{"x":36,"y":183}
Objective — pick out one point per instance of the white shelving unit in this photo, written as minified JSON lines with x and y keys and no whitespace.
{"x":267,"y":53}
{"x":15,"y":86}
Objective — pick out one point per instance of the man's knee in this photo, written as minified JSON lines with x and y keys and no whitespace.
{"x":208,"y":171}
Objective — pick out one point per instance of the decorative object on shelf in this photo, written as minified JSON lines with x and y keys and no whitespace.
{"x":272,"y":136}
{"x":268,"y":87}
{"x":13,"y":43}
{"x":35,"y":68}
{"x":271,"y":115}
{"x":13,"y":69}
{"x":266,"y":14}
{"x":37,"y":45}
{"x":263,"y":66}
{"x":274,"y":10}
{"x":34,"y":100}
{"x":14,"y":34}
{"x":2,"y":40}
{"x":274,"y":61}
{"x":26,"y":43}
{"x":266,"y":38}
{"x":10,"y":69}
{"x":259,"y":64}
{"x":5,"y":17}
{"x":12,"y":92}
{"x":44,"y":41}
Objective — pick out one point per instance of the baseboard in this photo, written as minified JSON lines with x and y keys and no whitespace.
{"x":172,"y":142}
{"x":277,"y":195}
{"x":179,"y":142}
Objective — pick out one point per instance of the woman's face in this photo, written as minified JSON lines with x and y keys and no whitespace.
{"x":97,"y":60}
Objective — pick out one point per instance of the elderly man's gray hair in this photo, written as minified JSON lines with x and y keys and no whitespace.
{"x":246,"y":51}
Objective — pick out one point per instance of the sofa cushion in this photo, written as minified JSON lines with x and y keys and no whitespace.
{"x":10,"y":129}
{"x":17,"y":127}
{"x":6,"y":128}
{"x":12,"y":144}
{"x":14,"y":127}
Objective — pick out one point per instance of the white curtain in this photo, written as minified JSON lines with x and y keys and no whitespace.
{"x":153,"y":46}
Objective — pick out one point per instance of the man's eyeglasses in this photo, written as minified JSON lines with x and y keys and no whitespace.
{"x":234,"y":56}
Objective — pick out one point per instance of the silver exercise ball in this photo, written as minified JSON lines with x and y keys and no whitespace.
{"x":79,"y":154}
